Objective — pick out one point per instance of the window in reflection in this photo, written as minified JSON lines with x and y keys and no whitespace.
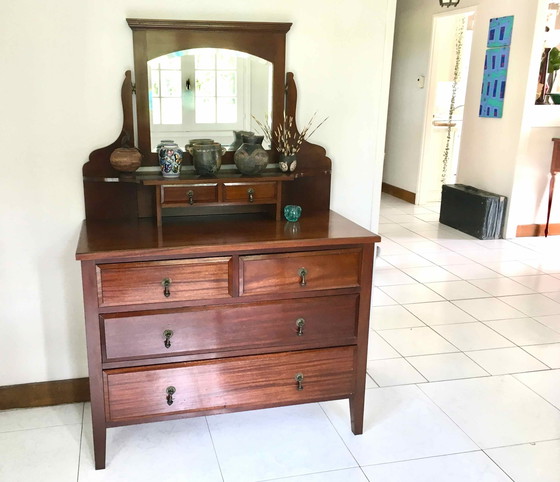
{"x":207,"y":93}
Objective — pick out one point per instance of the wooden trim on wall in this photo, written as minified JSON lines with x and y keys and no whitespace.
{"x":43,"y":394}
{"x":407,"y":196}
{"x":525,"y":230}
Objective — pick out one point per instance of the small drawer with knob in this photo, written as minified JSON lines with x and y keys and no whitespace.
{"x":290,"y":324}
{"x":163,"y":281}
{"x":188,"y":194}
{"x":299,"y":272}
{"x":244,"y":192}
{"x":245,"y":382}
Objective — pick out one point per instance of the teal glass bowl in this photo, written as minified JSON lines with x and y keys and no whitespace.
{"x":292,"y":212}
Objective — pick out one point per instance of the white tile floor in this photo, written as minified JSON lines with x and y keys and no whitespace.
{"x":464,"y":367}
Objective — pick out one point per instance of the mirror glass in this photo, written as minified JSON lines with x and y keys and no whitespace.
{"x":208,"y":93}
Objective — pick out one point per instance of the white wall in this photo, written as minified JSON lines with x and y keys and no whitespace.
{"x":62,"y":67}
{"x":500,"y":155}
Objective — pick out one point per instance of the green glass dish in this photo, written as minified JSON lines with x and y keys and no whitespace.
{"x":292,"y":212}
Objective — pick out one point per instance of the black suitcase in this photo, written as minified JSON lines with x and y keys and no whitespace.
{"x":473,"y":211}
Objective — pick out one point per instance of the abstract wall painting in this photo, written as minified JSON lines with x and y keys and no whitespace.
{"x":495,"y":67}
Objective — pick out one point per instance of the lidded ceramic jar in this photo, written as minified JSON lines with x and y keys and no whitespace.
{"x":170,"y":158}
{"x":251,"y":158}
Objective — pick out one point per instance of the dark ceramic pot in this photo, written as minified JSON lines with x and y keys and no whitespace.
{"x":207,"y":158}
{"x":251,"y":158}
{"x":238,"y":139}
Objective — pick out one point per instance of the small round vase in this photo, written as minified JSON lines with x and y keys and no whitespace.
{"x":126,"y":159}
{"x":292,"y":212}
{"x":170,"y":158}
{"x":251,"y":158}
{"x":287,"y":163}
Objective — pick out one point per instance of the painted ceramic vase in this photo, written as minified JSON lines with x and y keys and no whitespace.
{"x":287,"y":163}
{"x":251,"y":158}
{"x":170,"y":158}
{"x":292,"y":212}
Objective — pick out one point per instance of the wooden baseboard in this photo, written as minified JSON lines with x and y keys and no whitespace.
{"x":44,"y":394}
{"x":526,"y":230}
{"x":407,"y":196}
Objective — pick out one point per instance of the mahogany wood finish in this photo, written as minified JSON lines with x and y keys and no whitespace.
{"x":198,"y":331}
{"x":225,"y":307}
{"x":240,"y":347}
{"x":153,"y":38}
{"x":276,"y":273}
{"x":312,"y":187}
{"x":144,"y":282}
{"x":236,"y":383}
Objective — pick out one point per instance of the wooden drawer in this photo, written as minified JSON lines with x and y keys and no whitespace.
{"x":229,"y":383}
{"x":291,"y":324}
{"x":199,"y":193}
{"x":241,"y":192}
{"x":297,"y":272}
{"x":143,"y":282}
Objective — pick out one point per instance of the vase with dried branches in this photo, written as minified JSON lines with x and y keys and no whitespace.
{"x":287,"y":140}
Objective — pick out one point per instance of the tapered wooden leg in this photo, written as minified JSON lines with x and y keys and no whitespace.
{"x":357,"y":413}
{"x":99,"y":444}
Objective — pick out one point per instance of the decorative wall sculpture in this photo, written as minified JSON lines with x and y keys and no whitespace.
{"x":495,"y":67}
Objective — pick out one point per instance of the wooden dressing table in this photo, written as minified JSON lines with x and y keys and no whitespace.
{"x":223,"y":308}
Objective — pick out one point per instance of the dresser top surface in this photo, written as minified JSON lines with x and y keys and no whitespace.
{"x":206,"y":234}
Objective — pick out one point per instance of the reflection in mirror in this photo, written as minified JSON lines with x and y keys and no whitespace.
{"x":548,"y":88}
{"x":207,"y":93}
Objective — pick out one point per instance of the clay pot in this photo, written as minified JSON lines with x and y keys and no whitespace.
{"x":126,"y":159}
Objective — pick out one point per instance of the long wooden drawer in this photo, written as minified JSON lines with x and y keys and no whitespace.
{"x":306,"y":322}
{"x":297,"y":272}
{"x":163,"y":281}
{"x":229,"y":383}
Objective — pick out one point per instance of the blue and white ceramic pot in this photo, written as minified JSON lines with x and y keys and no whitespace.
{"x":170,"y":158}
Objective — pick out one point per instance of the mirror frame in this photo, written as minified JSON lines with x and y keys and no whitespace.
{"x":153,"y":38}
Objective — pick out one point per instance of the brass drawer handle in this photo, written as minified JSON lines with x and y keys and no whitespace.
{"x":302,"y":273}
{"x":170,"y":392}
{"x":300,"y":323}
{"x":299,"y":380}
{"x":251,"y":193}
{"x":167,"y":334}
{"x":166,"y":283}
{"x":190,"y":194}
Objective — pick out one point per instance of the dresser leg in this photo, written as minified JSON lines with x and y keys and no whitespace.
{"x":357,"y":413}
{"x":99,"y":445}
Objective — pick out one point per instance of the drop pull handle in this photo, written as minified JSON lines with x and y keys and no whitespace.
{"x":167,"y":334}
{"x":170,"y":392}
{"x":251,"y":193}
{"x":299,"y":380}
{"x":300,"y":323}
{"x":190,"y":195}
{"x":302,"y":273}
{"x":166,"y":283}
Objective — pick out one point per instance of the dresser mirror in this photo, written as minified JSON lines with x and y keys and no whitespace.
{"x":207,"y":93}
{"x":166,"y":56}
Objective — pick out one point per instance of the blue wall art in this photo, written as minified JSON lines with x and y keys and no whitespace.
{"x":495,"y":67}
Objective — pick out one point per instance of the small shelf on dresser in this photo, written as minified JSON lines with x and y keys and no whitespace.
{"x":226,"y":188}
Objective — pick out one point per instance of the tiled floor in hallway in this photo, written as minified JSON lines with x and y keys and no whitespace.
{"x":464,"y":385}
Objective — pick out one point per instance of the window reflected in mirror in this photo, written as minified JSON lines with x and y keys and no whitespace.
{"x":207,"y":93}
